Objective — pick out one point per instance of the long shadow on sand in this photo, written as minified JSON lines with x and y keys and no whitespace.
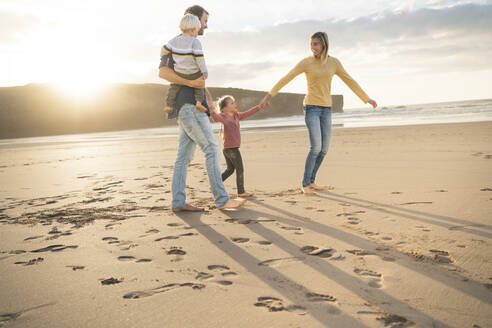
{"x":323,"y":313}
{"x":452,"y":280}
{"x":292,"y":290}
{"x":410,"y":214}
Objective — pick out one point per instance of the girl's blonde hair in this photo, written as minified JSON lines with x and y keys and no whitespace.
{"x":190,"y":22}
{"x":222,"y":101}
{"x":323,"y":38}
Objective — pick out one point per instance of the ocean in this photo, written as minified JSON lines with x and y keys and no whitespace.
{"x":433,"y":113}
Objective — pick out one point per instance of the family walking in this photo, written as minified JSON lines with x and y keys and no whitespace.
{"x":183,"y":65}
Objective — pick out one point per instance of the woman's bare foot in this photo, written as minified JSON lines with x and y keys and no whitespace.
{"x":200,"y":107}
{"x":245,"y":194}
{"x":167,"y":110}
{"x":233,"y":203}
{"x":307,"y":191}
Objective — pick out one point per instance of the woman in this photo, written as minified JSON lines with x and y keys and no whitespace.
{"x":319,"y":69}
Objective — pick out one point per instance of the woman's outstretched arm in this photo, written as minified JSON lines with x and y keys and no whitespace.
{"x":354,"y":86}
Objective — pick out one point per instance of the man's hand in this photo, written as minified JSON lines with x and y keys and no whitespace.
{"x":169,"y":75}
{"x":197,"y":84}
{"x":373,"y":103}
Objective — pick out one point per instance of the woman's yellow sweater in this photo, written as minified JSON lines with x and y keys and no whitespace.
{"x":319,"y":76}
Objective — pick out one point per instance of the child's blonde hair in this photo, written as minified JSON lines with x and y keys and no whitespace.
{"x":222,"y":102}
{"x":190,"y":22}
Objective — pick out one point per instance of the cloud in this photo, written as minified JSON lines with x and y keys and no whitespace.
{"x":453,"y":38}
{"x":239,"y":72}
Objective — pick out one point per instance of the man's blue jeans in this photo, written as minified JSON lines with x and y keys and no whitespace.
{"x":318,"y":122}
{"x":195,"y":128}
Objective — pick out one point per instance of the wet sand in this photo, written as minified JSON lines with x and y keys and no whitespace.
{"x":87,"y":238}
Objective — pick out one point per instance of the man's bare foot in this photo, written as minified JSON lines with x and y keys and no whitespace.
{"x":188,"y":208}
{"x":245,"y":194}
{"x":307,"y":191}
{"x":200,"y":107}
{"x":314,"y":186}
{"x":167,"y":109}
{"x":233,"y":203}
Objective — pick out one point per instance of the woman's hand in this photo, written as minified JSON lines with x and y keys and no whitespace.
{"x":373,"y":103}
{"x":265,"y":102}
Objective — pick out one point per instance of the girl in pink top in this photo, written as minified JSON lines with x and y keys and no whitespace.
{"x":230,"y":117}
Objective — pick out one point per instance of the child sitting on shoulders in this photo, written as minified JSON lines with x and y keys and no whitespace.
{"x":189,"y":62}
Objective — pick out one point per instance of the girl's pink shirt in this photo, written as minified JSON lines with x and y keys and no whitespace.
{"x":232,"y":134}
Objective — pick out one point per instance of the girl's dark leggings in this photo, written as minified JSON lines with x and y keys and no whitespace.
{"x":234,"y":162}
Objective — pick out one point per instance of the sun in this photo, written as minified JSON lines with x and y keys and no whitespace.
{"x":79,"y":71}
{"x":80,"y":88}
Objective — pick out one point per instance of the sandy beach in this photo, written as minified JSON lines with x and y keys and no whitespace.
{"x":87,"y":237}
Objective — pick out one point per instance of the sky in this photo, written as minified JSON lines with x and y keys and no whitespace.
{"x":400,"y":52}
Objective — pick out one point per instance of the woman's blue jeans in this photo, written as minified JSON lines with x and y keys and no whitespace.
{"x":318,"y":122}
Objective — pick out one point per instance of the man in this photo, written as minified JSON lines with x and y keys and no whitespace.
{"x":195,"y":128}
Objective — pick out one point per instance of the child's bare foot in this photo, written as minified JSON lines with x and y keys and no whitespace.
{"x":167,"y":109}
{"x":245,"y":194}
{"x":200,"y":107}
{"x":233,"y":203}
{"x":307,"y":191}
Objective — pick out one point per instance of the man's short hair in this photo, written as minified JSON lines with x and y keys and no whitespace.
{"x":190,"y":22}
{"x":196,"y":10}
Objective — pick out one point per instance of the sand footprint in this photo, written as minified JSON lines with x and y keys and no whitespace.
{"x":143,"y":260}
{"x":204,"y":276}
{"x":126,"y":258}
{"x":218,"y":267}
{"x":274,"y":304}
{"x":31,"y":262}
{"x":110,"y":281}
{"x":353,"y":220}
{"x":351,"y":213}
{"x":33,"y":237}
{"x":315,"y":297}
{"x":167,"y":237}
{"x":442,"y":256}
{"x":297,"y":230}
{"x":360,"y":252}
{"x":279,"y":261}
{"x":316,"y":251}
{"x":161,"y":289}
{"x":53,"y":248}
{"x":240,"y":240}
{"x":414,"y":203}
{"x":178,"y":252}
{"x":375,"y":278}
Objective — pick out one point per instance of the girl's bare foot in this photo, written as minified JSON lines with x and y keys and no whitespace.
{"x":200,"y":107}
{"x":233,"y":203}
{"x":245,"y":194}
{"x":307,"y":191}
